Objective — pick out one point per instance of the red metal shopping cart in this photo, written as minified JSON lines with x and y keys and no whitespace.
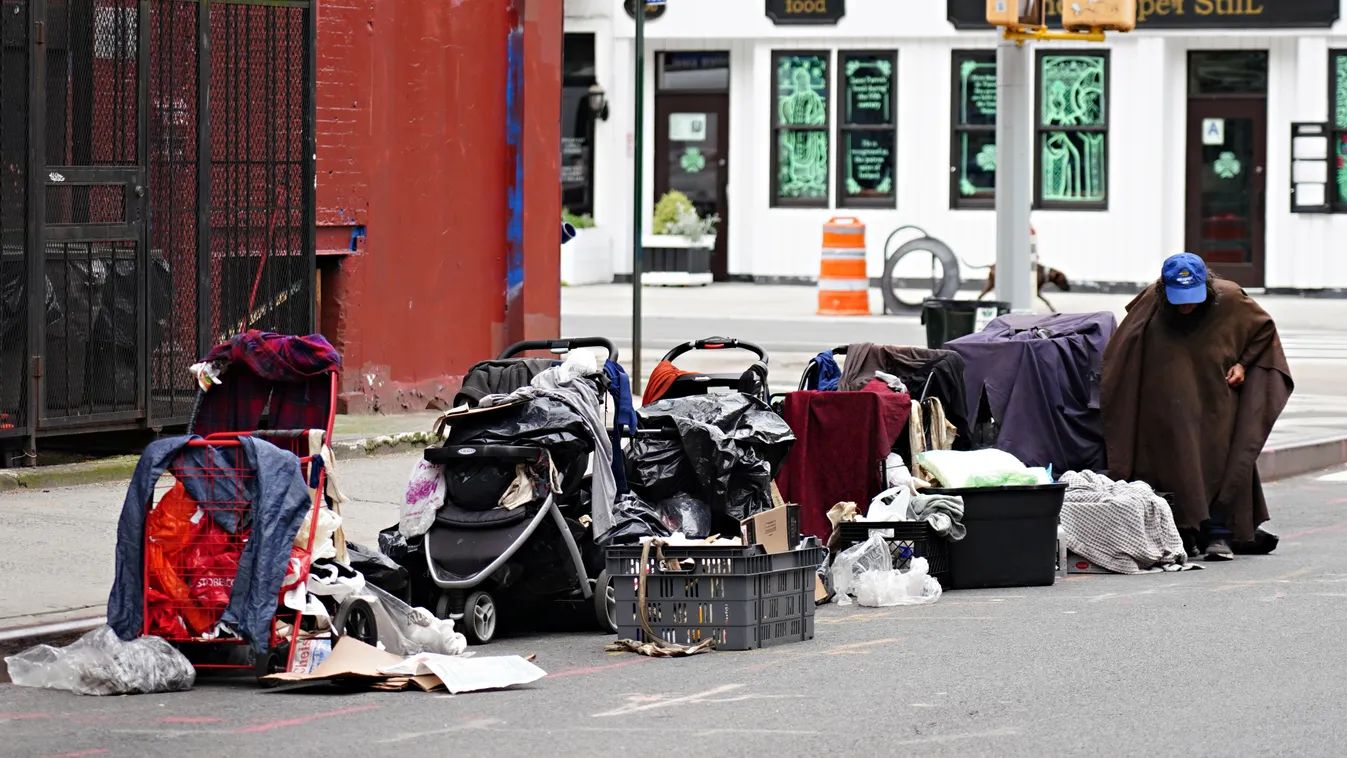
{"x":282,"y":391}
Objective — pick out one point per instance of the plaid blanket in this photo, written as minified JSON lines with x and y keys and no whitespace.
{"x":286,"y":376}
{"x":1123,"y":527}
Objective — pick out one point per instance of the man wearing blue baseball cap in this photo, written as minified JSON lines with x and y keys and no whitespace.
{"x":1193,"y":381}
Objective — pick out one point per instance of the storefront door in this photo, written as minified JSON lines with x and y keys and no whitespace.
{"x":1227,"y":159}
{"x":692,"y":143}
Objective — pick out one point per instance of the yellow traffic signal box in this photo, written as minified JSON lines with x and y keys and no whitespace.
{"x":1108,"y":15}
{"x":1019,"y":13}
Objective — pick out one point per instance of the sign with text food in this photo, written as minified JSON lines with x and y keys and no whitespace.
{"x":1185,"y":14}
{"x":783,"y":12}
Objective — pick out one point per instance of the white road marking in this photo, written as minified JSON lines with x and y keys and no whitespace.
{"x":464,"y":727}
{"x":650,"y":702}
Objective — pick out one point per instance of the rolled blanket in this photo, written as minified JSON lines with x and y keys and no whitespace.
{"x":1121,"y":526}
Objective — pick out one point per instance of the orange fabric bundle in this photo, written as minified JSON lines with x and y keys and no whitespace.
{"x":662,"y":377}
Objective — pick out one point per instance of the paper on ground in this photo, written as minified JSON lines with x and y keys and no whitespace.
{"x":461,"y":674}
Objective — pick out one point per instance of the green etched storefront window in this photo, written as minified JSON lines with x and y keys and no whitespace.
{"x":1340,"y":122}
{"x":800,"y":112}
{"x":867,"y":136}
{"x":973,"y":154}
{"x":1072,"y":130}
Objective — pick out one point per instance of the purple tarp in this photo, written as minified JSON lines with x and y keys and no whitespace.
{"x":1040,"y":375}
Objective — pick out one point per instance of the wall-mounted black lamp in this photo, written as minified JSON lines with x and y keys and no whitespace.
{"x":598,"y":102}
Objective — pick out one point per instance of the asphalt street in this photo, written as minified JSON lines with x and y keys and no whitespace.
{"x":1239,"y":659}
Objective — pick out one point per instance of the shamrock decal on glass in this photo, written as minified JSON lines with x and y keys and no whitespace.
{"x":1227,"y":166}
{"x":986,"y":158}
{"x":692,"y":160}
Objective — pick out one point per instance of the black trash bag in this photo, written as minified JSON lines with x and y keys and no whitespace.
{"x":633,"y":519}
{"x":378,"y":569}
{"x":477,"y":485}
{"x":686,"y":514}
{"x":540,"y":422}
{"x":410,"y":555}
{"x":732,"y":447}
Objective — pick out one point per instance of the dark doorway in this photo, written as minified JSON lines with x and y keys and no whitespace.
{"x":692,"y":138}
{"x":1226,"y":162}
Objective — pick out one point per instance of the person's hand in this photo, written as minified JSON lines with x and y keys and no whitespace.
{"x":1235,"y":376}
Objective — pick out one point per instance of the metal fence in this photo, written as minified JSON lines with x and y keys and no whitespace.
{"x":155,"y":199}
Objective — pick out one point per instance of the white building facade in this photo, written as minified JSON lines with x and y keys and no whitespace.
{"x":782,"y":114}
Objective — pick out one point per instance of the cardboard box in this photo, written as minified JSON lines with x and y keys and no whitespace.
{"x":777,"y":530}
{"x":1078,"y":565}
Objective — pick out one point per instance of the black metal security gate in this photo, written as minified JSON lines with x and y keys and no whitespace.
{"x":156,"y":197}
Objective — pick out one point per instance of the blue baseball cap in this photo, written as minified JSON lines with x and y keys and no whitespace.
{"x":1185,"y":278}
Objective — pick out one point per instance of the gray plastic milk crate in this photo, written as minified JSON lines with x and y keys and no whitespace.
{"x":741,"y":597}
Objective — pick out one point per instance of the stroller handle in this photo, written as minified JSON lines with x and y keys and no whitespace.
{"x":560,"y":346}
{"x":716,"y":343}
{"x":492,"y":452}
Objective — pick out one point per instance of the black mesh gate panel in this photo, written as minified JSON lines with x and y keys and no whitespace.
{"x":175,"y":171}
{"x":261,"y":276}
{"x":154,"y":199}
{"x":14,"y":82}
{"x":92,"y":212}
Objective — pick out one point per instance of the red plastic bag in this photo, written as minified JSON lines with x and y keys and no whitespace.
{"x":163,"y":620}
{"x":169,"y":524}
{"x":166,"y":579}
{"x":211,"y":562}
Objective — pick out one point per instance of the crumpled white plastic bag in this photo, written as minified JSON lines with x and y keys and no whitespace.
{"x":850,"y":564}
{"x":883,"y":589}
{"x":323,"y":546}
{"x":866,"y":571}
{"x":404,"y":630}
{"x":425,"y":496}
{"x":99,"y":663}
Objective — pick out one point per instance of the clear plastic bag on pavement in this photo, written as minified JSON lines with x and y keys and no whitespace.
{"x":850,"y":564}
{"x":890,"y":587}
{"x":404,"y":630}
{"x":100,"y":663}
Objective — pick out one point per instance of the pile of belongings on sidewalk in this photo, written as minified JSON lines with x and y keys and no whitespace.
{"x":882,"y":570}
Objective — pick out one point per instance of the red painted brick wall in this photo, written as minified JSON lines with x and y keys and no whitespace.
{"x":411,"y":108}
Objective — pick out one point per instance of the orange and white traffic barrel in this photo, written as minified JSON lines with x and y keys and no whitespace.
{"x":843,"y":286}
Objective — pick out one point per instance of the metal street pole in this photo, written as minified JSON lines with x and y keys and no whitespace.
{"x":1014,"y":175}
{"x":637,"y":210}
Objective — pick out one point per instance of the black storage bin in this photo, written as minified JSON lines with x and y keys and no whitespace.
{"x":911,"y":539}
{"x":1012,"y":536}
{"x":946,"y":319}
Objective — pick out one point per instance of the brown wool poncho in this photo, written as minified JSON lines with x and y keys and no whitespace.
{"x":1171,"y":420}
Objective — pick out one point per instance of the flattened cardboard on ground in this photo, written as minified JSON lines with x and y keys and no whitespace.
{"x":350,"y":660}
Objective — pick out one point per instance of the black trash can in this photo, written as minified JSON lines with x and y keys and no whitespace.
{"x":946,"y":319}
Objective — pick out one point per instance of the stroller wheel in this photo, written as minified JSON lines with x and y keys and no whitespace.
{"x":479,"y":618}
{"x":605,"y":603}
{"x":355,"y":618}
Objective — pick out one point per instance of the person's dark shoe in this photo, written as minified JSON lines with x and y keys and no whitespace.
{"x":1219,"y":550}
{"x":1263,"y":543}
{"x":1189,"y":543}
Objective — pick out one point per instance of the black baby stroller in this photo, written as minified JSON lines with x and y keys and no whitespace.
{"x":539,"y":546}
{"x":666,"y":381}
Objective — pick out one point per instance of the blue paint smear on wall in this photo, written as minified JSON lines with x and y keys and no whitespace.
{"x":514,"y":129}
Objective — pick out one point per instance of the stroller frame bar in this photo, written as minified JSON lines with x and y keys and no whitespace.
{"x":560,"y":346}
{"x":549,"y":507}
